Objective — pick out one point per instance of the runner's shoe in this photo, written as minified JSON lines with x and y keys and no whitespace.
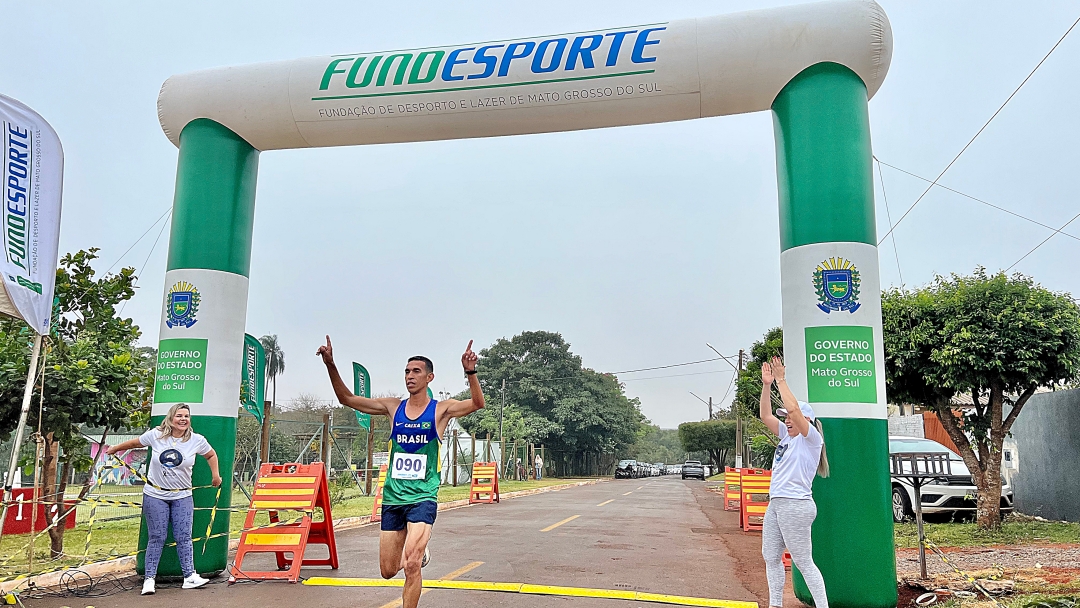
{"x":427,"y":558}
{"x":148,"y":587}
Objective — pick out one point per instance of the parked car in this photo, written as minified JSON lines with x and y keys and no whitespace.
{"x":627,"y":469}
{"x":951,"y":494}
{"x":693,"y":468}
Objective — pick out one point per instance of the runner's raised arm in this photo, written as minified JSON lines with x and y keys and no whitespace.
{"x":384,"y":406}
{"x":453,"y":408}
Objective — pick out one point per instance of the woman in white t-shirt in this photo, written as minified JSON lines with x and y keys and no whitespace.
{"x":799,"y":456}
{"x":167,"y":498}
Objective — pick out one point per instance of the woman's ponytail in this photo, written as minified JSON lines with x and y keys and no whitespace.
{"x":823,"y":463}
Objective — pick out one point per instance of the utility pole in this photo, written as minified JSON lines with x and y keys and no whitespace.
{"x":370,"y":449}
{"x":738,"y":420}
{"x":264,"y":437}
{"x":708,"y":403}
{"x":502,"y":440}
{"x":326,"y":443}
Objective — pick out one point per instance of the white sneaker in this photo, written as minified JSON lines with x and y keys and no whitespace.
{"x":194,"y":581}
{"x":427,"y":558}
{"x":148,"y":587}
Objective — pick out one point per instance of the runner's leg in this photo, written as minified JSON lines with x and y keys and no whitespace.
{"x":390,"y":546}
{"x":415,"y":544}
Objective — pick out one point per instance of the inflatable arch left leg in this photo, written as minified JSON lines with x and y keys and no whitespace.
{"x":206,"y":284}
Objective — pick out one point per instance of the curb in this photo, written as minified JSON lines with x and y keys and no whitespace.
{"x":125,"y":566}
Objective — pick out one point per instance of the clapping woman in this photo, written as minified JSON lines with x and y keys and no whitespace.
{"x":167,"y":497}
{"x":799,"y":456}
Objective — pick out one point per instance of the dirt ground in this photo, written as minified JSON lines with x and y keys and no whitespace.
{"x":1004,"y":571}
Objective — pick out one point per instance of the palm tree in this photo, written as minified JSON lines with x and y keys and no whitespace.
{"x":275,"y":364}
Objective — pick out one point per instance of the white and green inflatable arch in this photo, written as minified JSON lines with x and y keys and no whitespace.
{"x":814,"y":66}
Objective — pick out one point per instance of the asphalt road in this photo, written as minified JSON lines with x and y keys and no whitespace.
{"x":661,"y":535}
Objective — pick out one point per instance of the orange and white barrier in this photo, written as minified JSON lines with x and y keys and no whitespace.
{"x":754,"y":498}
{"x":287,"y":487}
{"x":485,"y":483}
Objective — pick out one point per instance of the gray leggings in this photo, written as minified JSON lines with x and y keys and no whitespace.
{"x":787,"y":524}
{"x":159,"y":513}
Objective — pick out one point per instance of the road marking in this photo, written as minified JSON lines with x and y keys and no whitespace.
{"x":639,"y":487}
{"x":606,"y":502}
{"x":628,"y":493}
{"x":448,"y":577}
{"x":623,"y":594}
{"x":556,"y":525}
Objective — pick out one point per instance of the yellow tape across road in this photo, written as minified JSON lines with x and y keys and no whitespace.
{"x":618,"y":594}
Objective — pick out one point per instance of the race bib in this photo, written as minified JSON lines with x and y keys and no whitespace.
{"x":408,"y":466}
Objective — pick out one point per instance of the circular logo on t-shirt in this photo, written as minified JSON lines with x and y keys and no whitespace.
{"x":779,"y":455}
{"x":171,"y":458}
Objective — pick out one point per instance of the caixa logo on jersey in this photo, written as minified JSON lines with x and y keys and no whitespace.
{"x":19,"y":197}
{"x":623,"y":51}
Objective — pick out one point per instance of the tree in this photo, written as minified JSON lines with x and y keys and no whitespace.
{"x":748,"y":396}
{"x":94,"y":375}
{"x":714,"y":437}
{"x":275,"y":363}
{"x":995,"y":337}
{"x":656,"y":445}
{"x":748,"y":385}
{"x":579,"y":414}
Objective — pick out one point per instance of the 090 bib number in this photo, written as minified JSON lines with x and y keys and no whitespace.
{"x":408,"y":466}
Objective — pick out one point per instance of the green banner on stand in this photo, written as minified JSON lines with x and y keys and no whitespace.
{"x":253,"y":378}
{"x":362,"y":387}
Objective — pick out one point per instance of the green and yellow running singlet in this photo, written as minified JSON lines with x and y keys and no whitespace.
{"x":413,"y":474}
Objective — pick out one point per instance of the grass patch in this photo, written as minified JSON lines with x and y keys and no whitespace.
{"x":110,"y":539}
{"x":1015,"y":530}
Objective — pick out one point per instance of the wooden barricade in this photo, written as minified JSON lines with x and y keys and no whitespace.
{"x":754,"y":498}
{"x":485,"y":483}
{"x":732,"y":485}
{"x":376,"y":507}
{"x":287,"y":487}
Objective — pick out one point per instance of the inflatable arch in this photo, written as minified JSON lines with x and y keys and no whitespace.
{"x":815,"y":66}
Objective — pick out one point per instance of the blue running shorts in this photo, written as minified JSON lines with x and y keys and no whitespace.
{"x":394,"y":517}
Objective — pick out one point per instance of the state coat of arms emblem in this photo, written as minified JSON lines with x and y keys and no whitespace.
{"x":836,"y":281}
{"x":181,"y":304}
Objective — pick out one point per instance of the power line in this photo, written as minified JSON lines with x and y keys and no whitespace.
{"x":147,"y":260}
{"x":631,"y":371}
{"x":983,"y":128}
{"x":718,"y":371}
{"x":888,"y":214}
{"x":731,"y":383}
{"x":153,"y":247}
{"x":1052,"y":235}
{"x":648,"y":369}
{"x":977,"y":200}
{"x":138,"y":240}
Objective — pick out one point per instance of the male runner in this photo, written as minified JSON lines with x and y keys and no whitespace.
{"x":410,"y":494}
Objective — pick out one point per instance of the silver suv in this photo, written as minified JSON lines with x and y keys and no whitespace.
{"x":693,"y":468}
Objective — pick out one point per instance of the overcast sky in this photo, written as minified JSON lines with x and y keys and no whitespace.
{"x":638,"y":244}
